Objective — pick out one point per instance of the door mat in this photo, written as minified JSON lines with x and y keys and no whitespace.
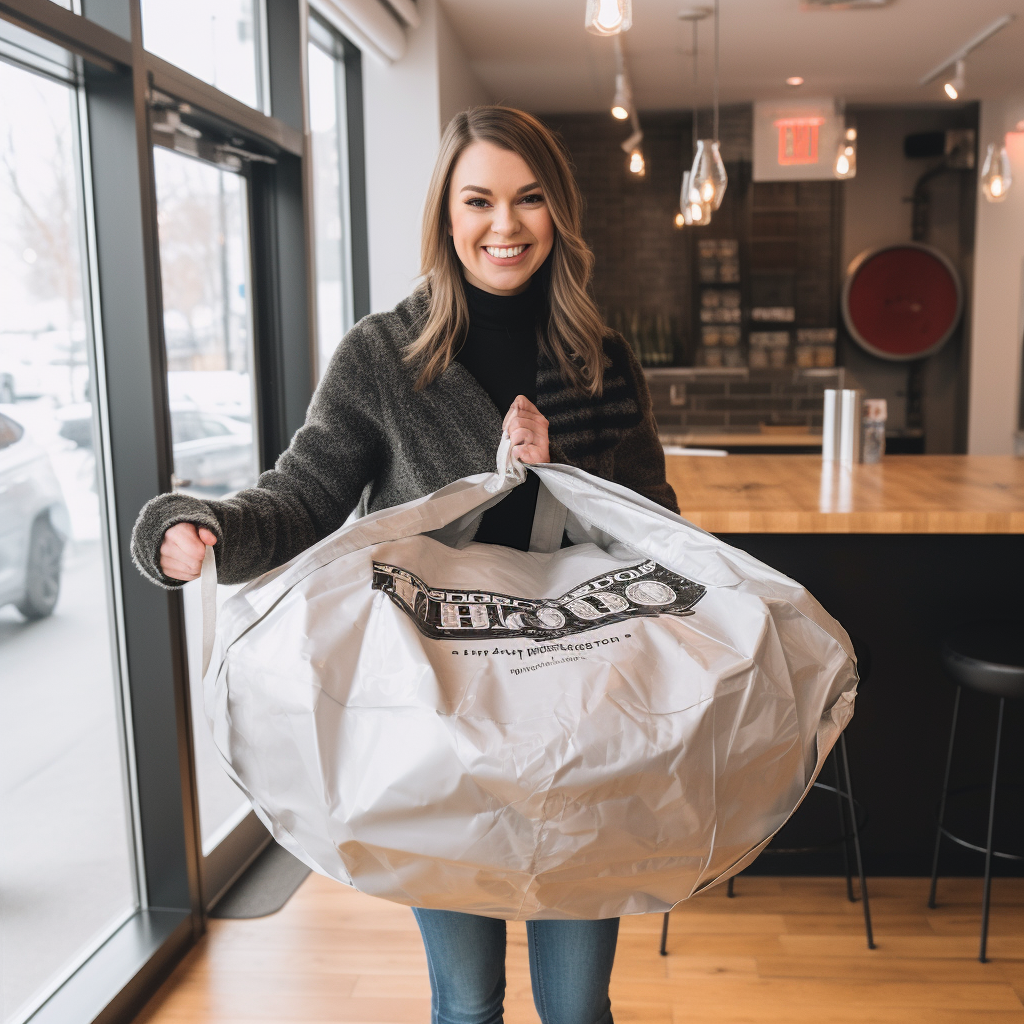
{"x":264,"y":887}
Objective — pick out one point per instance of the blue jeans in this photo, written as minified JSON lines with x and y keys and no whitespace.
{"x":570,"y":966}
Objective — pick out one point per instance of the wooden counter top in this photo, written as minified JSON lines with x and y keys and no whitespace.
{"x":800,"y":494}
{"x":804,"y":439}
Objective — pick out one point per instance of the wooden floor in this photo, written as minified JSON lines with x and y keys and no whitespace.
{"x":784,"y":950}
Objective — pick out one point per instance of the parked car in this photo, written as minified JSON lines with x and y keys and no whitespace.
{"x":211,"y":451}
{"x":34,"y":524}
{"x":76,"y":423}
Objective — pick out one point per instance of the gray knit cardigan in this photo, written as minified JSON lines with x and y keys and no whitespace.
{"x":371,"y":441}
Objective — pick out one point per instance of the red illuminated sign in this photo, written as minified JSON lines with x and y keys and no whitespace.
{"x":798,"y":140}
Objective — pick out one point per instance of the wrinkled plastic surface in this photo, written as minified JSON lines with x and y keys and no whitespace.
{"x":584,"y":732}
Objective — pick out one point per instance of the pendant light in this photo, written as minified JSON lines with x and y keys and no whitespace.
{"x":707,"y":175}
{"x":609,"y":17}
{"x":692,"y":208}
{"x":996,"y":178}
{"x":845,"y":163}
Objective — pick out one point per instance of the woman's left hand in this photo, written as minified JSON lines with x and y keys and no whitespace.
{"x":528,"y":431}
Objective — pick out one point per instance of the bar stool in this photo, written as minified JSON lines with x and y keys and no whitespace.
{"x":988,"y":658}
{"x":845,"y":801}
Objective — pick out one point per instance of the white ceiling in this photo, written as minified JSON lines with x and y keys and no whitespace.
{"x":536,"y":54}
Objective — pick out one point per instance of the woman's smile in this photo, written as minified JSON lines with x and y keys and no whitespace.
{"x":507,"y":255}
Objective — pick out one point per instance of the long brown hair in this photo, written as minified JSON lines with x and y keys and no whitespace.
{"x":572,"y":337}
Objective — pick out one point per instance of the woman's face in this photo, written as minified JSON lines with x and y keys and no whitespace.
{"x":500,"y":221}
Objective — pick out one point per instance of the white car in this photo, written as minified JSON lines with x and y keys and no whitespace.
{"x":34,"y":524}
{"x":212,"y":452}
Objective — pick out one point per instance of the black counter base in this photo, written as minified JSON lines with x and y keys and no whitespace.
{"x":901,"y":594}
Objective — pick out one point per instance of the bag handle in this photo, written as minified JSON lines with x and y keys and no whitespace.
{"x":208,"y":595}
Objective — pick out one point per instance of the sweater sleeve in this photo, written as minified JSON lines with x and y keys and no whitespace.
{"x":639,"y":457}
{"x":309,"y":493}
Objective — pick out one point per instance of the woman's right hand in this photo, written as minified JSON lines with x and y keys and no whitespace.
{"x":182,"y":551}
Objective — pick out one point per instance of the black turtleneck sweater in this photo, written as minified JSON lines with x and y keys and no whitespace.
{"x":500,"y":351}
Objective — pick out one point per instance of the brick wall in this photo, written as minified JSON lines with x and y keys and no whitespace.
{"x":694,"y":399}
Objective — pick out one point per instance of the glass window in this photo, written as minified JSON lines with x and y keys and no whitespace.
{"x":66,"y":845}
{"x":333,"y":247}
{"x":202,"y":212}
{"x":219,"y":41}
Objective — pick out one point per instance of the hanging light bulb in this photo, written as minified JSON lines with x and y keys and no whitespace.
{"x":690,"y":206}
{"x":623,"y":100}
{"x":845,"y":163}
{"x":697,"y":214}
{"x":636,"y":162}
{"x":609,"y":17}
{"x":996,"y":178}
{"x":679,"y":220}
{"x":707,"y":175}
{"x":955,"y":85}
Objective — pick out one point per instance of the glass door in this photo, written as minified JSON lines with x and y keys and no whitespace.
{"x":67,"y":852}
{"x":202,"y":213}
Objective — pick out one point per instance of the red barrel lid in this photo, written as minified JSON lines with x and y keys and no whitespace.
{"x":902,"y":301}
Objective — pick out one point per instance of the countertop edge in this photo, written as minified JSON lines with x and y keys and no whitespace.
{"x":988,"y":523}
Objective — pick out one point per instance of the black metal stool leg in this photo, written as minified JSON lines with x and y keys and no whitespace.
{"x":841,"y":803}
{"x":942,"y":801}
{"x":728,"y":888}
{"x":664,"y":936}
{"x":991,"y":827}
{"x":856,"y":842}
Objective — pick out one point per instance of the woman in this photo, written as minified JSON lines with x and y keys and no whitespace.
{"x":412,"y":400}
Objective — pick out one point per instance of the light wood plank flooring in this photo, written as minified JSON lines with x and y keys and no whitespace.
{"x":784,"y":950}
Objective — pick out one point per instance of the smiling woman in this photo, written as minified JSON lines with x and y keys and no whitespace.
{"x":413,"y":400}
{"x":502,"y":180}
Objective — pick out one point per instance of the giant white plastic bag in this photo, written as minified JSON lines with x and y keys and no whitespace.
{"x":578,"y":732}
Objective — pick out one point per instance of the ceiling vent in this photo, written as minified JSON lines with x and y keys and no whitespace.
{"x":843,"y":5}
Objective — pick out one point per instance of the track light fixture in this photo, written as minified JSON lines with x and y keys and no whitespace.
{"x":955,"y":85}
{"x":622,"y":103}
{"x":623,"y":108}
{"x":996,"y":178}
{"x":623,"y":100}
{"x":609,"y":17}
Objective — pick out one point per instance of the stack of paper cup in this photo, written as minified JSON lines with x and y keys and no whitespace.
{"x":840,"y":435}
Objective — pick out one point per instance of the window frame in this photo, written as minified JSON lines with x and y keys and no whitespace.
{"x":348,"y":58}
